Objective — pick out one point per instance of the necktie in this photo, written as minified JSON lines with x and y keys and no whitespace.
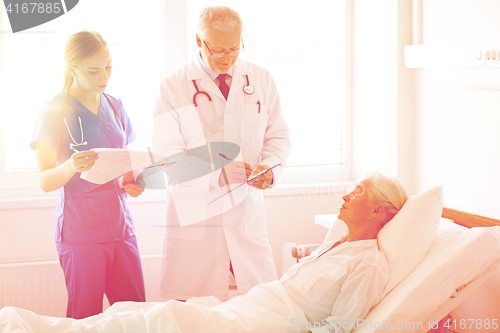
{"x":224,"y":88}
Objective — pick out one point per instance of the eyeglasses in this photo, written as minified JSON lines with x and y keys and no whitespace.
{"x":221,"y":54}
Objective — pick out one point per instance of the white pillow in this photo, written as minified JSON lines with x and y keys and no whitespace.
{"x":407,"y":238}
{"x":457,"y":256}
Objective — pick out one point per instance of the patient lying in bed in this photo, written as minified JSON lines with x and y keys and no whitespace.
{"x":327,"y":291}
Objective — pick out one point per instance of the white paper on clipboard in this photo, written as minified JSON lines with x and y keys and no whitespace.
{"x":248,"y":181}
{"x":113,"y":163}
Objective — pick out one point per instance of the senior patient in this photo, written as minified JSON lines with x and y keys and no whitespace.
{"x":327,"y":291}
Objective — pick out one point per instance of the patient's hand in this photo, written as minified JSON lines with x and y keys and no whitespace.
{"x":301,"y":251}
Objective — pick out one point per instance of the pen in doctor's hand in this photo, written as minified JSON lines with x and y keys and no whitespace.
{"x":248,"y":167}
{"x":234,"y":172}
{"x":73,"y":149}
{"x":225,"y":157}
{"x":258,"y":102}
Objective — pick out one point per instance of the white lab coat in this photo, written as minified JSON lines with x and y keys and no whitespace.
{"x":196,"y":258}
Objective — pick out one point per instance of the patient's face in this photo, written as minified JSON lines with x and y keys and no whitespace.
{"x":357,"y":206}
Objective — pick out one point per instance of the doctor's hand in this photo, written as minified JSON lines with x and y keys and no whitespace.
{"x":235,"y":172}
{"x":134,"y":187}
{"x":263,"y":181}
{"x":83,"y":160}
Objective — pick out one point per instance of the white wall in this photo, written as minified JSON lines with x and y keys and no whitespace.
{"x":28,"y":233}
{"x":457,"y":136}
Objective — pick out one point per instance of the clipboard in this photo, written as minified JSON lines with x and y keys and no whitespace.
{"x":247,"y":181}
{"x":111,"y":184}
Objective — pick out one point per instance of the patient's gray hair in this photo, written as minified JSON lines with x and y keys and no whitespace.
{"x":220,"y":18}
{"x":388,"y":192}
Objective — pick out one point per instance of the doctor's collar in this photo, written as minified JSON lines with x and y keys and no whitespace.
{"x":213,"y":75}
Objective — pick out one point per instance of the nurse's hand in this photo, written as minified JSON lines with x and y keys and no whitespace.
{"x":263,"y":181}
{"x":235,"y":172}
{"x":134,"y":187}
{"x":83,"y":160}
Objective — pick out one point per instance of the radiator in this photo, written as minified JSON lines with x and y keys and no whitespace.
{"x":38,"y":285}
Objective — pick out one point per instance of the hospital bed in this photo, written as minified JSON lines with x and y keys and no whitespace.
{"x":437,"y":257}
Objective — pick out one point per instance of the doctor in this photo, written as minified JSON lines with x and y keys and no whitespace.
{"x":219,"y":98}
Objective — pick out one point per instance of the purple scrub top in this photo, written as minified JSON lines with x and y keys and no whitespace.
{"x":87,"y":218}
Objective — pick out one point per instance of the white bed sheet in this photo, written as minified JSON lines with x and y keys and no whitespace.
{"x":266,"y":308}
{"x":457,"y":256}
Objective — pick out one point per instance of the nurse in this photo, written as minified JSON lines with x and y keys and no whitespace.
{"x":95,"y":234}
{"x":219,"y":97}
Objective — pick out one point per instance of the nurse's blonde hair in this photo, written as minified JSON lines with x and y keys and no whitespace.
{"x":385,"y":191}
{"x":80,"y":45}
{"x":219,"y":17}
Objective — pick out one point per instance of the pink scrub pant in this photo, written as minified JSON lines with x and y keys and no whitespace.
{"x":92,"y":269}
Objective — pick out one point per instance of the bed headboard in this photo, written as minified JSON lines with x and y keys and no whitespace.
{"x":469,"y":220}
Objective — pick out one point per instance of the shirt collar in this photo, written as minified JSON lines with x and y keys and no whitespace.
{"x":213,"y":75}
{"x":359,"y":243}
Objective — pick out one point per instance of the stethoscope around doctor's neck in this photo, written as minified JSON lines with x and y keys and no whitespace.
{"x":248,"y":89}
{"x":75,"y":110}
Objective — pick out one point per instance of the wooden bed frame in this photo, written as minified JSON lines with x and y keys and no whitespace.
{"x":469,"y":220}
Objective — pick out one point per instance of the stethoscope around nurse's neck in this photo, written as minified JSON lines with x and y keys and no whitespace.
{"x":248,"y":89}
{"x":75,"y":110}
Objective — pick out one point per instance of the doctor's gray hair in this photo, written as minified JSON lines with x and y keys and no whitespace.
{"x":385,"y":191}
{"x":220,"y":18}
{"x":80,"y":45}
